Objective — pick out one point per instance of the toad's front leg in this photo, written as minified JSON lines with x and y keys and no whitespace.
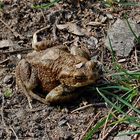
{"x":60,"y":95}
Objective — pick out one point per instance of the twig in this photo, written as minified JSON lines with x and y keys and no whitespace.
{"x":43,"y":16}
{"x":86,"y":106}
{"x":16,"y":51}
{"x":136,"y":57}
{"x":36,"y":109}
{"x":108,"y":132}
{"x":68,"y":125}
{"x":136,"y":102}
{"x":81,"y":108}
{"x":46,"y":136}
{"x":89,"y":125}
{"x":4,"y":61}
{"x":105,"y":125}
{"x":55,"y":28}
{"x":34,"y":41}
{"x":2,"y":118}
{"x":14,"y":132}
{"x":13,"y":31}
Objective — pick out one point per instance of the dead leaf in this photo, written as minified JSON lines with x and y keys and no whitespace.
{"x":92,"y":23}
{"x":72,"y":28}
{"x":6,"y":44}
{"x":62,"y":26}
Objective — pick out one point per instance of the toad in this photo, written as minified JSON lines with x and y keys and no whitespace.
{"x":54,"y":71}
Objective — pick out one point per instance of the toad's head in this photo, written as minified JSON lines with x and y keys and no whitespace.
{"x":81,"y":74}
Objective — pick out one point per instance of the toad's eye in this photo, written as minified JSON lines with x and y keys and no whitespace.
{"x":79,"y":78}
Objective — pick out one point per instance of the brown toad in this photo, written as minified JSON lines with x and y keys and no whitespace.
{"x":54,"y":71}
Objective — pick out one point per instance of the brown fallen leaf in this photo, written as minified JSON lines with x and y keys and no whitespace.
{"x":6,"y":44}
{"x":94,"y":23}
{"x":72,"y":28}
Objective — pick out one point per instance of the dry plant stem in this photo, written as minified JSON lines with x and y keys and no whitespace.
{"x":14,"y":132}
{"x":89,"y":125}
{"x":86,"y":106}
{"x":81,"y":108}
{"x":16,"y":51}
{"x":105,"y":125}
{"x":46,"y":136}
{"x":35,"y":35}
{"x":2,"y":118}
{"x":136,"y":57}
{"x":102,"y":55}
{"x":108,"y":132}
{"x":4,"y":61}
{"x":14,"y":32}
{"x":37,"y":109}
{"x":135,"y":104}
{"x":43,"y":16}
{"x":54,"y":28}
{"x":68,"y":125}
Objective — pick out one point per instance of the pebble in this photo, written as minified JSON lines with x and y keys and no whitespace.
{"x":8,"y":79}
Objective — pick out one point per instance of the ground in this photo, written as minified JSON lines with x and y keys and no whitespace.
{"x":18,"y":21}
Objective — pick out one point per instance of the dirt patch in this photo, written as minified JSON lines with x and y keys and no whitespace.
{"x":18,"y":21}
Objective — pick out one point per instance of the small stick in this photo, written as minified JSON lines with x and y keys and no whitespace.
{"x":86,"y":106}
{"x":34,"y":41}
{"x":36,"y":109}
{"x":108,"y":132}
{"x":136,"y":102}
{"x":16,"y":51}
{"x":89,"y":125}
{"x":81,"y":108}
{"x":43,"y":16}
{"x":68,"y":125}
{"x":14,"y":132}
{"x":2,"y":118}
{"x":14,"y":32}
{"x":136,"y":56}
{"x":4,"y":61}
{"x":105,"y":125}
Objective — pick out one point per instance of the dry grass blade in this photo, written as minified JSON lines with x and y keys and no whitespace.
{"x":81,"y":108}
{"x":89,"y":126}
{"x":3,"y":121}
{"x":14,"y":32}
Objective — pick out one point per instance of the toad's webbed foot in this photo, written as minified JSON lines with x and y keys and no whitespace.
{"x":60,"y":95}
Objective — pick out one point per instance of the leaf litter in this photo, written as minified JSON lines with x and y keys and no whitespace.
{"x":79,"y":25}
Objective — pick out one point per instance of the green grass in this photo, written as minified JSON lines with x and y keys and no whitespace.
{"x":125,"y":92}
{"x":8,"y":93}
{"x":46,"y":6}
{"x":1,"y":5}
{"x":123,"y":3}
{"x":122,"y":106}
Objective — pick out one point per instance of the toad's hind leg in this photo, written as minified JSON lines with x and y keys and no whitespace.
{"x":22,"y":72}
{"x":26,"y":80}
{"x":59,"y":95}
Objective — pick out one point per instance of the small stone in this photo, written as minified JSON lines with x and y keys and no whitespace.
{"x":125,"y":137}
{"x":19,"y":56}
{"x":103,"y":19}
{"x":8,"y":79}
{"x":122,"y":60}
{"x":62,"y":122}
{"x":6,"y":43}
{"x":121,"y":37}
{"x":109,"y":16}
{"x":92,"y":41}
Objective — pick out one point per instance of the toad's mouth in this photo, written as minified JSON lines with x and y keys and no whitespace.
{"x":84,"y":83}
{"x":80,"y":84}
